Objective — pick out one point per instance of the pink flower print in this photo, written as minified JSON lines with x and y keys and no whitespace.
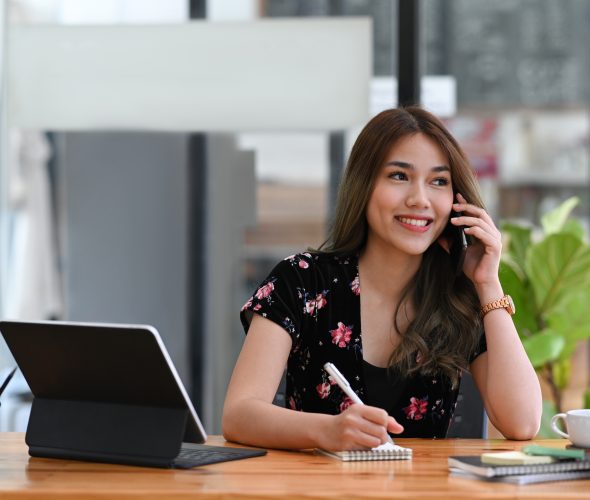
{"x":303,"y":264}
{"x":315,"y":304}
{"x":292,"y":403}
{"x":346,"y":402}
{"x":247,"y":304}
{"x":341,"y":335}
{"x":355,"y":285}
{"x":265,"y":290}
{"x":416,"y":409}
{"x":323,"y":390}
{"x":257,"y":307}
{"x":320,"y":301}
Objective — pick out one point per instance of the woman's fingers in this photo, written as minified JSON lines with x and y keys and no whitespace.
{"x":478,"y":212}
{"x":366,"y":426}
{"x":488,"y":240}
{"x":467,"y":209}
{"x":373,"y":421}
{"x":394,"y":426}
{"x":381,"y":418}
{"x":471,"y":222}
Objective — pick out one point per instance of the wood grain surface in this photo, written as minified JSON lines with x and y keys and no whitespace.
{"x":280,"y":474}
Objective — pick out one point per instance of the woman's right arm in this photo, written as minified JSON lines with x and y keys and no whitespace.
{"x":249,"y":416}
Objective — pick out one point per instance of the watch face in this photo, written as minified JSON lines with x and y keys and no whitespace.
{"x":511,"y":308}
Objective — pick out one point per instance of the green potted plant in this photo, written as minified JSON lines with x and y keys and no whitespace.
{"x":547,"y":273}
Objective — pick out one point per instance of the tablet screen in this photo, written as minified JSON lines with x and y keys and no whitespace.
{"x":126,"y":364}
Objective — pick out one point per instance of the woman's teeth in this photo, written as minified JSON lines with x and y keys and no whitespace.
{"x":413,"y":222}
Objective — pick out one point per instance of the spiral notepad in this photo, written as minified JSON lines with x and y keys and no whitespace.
{"x":386,"y":451}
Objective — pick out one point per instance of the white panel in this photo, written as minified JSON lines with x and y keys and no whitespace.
{"x":294,"y":158}
{"x":438,"y":94}
{"x":125,"y":11}
{"x":262,"y":75}
{"x":230,"y":10}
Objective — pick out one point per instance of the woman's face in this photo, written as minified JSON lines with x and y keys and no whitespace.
{"x":412,"y":198}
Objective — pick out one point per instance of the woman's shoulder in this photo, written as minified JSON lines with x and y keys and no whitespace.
{"x":318,"y":271}
{"x":319,"y":261}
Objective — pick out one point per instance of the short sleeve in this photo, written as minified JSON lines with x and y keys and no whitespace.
{"x":278,"y":297}
{"x":481,"y":347}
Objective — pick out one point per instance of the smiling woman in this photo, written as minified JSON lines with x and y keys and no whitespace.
{"x":419,"y":194}
{"x":382,"y":300}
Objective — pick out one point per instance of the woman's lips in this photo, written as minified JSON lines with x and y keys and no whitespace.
{"x":416,"y":224}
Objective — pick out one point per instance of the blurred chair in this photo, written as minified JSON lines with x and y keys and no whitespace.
{"x":469,"y":420}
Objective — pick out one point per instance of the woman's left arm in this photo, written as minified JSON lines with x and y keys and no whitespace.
{"x":504,"y":375}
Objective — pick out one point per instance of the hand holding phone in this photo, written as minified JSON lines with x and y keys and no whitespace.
{"x":458,"y":245}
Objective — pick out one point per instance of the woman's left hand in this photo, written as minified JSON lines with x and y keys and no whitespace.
{"x":482,"y":260}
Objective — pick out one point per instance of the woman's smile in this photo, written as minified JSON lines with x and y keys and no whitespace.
{"x":414,"y":223}
{"x":412,"y":196}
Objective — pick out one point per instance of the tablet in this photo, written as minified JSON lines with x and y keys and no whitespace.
{"x":102,"y":366}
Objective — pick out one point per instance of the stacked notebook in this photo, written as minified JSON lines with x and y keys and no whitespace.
{"x":520,"y":468}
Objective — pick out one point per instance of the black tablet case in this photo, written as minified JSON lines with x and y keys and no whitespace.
{"x":101,"y":392}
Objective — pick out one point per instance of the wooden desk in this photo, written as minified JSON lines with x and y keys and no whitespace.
{"x":280,"y":474}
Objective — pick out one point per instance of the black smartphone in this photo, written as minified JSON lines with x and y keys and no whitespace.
{"x":459,"y":242}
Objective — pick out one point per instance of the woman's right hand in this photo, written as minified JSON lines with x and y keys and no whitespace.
{"x":359,"y":427}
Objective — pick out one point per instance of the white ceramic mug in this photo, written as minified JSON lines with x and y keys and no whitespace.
{"x":577,"y":424}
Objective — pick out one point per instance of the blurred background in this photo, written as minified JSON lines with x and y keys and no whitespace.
{"x":158,"y":157}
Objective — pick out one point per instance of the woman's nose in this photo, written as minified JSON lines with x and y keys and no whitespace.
{"x":417,"y":197}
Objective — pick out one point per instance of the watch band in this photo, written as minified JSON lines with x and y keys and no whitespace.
{"x":505,"y":302}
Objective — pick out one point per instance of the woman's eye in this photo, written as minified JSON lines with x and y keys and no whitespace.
{"x":441,"y":181}
{"x":398,"y":176}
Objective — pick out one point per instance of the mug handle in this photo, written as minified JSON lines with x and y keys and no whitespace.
{"x":554,"y":427}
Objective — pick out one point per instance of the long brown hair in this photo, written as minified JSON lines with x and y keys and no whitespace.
{"x":447,"y":326}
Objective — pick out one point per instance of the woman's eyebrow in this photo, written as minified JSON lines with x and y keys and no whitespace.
{"x":404,"y":164}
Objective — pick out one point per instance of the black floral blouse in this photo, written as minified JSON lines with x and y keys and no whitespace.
{"x":316,"y":299}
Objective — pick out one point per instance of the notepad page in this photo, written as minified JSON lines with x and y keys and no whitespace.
{"x":389,"y":447}
{"x":386,"y":451}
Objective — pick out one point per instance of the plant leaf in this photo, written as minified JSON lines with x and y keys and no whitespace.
{"x":572,"y":320}
{"x":549,"y":410}
{"x":543,"y":347}
{"x":525,"y":318}
{"x":518,"y":239}
{"x":554,"y":220}
{"x":557,"y":267}
{"x":574,"y":227}
{"x":562,"y":370}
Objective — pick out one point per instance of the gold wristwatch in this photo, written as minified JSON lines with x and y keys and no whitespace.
{"x":505,"y":302}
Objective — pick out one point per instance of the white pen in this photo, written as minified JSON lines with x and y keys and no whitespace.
{"x":345,"y":386}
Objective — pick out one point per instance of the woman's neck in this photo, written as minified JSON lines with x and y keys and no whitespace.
{"x":386,"y":269}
